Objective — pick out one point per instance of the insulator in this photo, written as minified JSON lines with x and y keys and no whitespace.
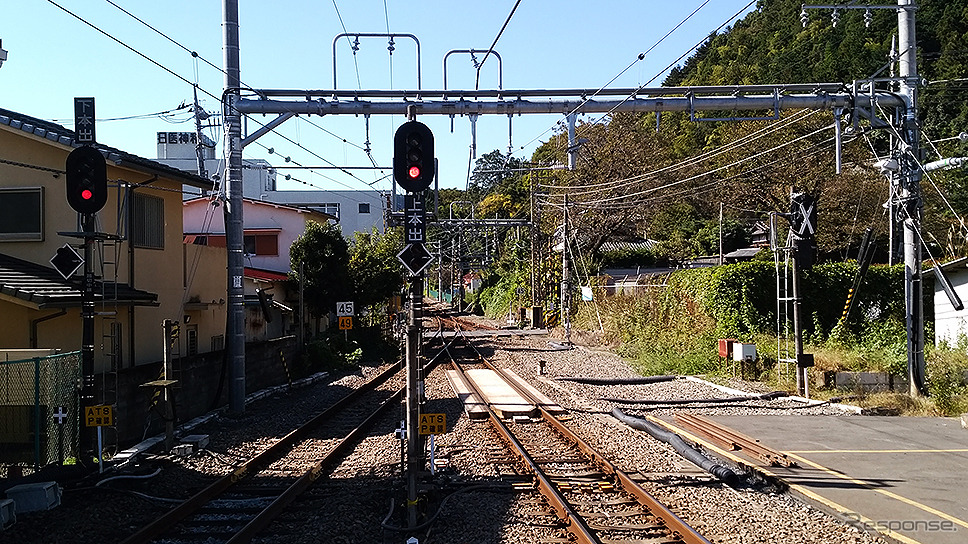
{"x":868,"y":18}
{"x":834,"y":18}
{"x":390,"y":46}
{"x":804,"y":17}
{"x":356,"y":44}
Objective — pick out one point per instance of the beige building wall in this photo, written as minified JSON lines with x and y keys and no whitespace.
{"x":159,"y":271}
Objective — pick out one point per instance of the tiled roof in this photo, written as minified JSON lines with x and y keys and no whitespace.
{"x":44,"y":286}
{"x":65,"y":136}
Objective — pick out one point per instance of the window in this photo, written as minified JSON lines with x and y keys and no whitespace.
{"x":218,"y":342}
{"x":261,"y":244}
{"x":192,"y":334}
{"x":331,"y":208}
{"x":22,"y":214}
{"x":364,"y":207}
{"x":147,"y":221}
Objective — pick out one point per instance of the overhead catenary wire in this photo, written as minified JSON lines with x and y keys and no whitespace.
{"x":673,"y":63}
{"x":477,"y":79}
{"x":623,"y":182}
{"x":713,"y":171}
{"x":639,"y":57}
{"x":168,"y":70}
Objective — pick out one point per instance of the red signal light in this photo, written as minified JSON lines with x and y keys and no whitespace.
{"x":86,"y":194}
{"x":414,"y":172}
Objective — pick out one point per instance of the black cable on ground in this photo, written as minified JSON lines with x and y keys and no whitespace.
{"x":766,"y":396}
{"x":617,"y":381}
{"x":724,"y":473}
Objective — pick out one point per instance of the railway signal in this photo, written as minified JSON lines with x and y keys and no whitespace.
{"x":413,"y":156}
{"x":87,"y":180}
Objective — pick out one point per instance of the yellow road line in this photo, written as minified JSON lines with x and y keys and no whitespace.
{"x":847,"y":512}
{"x":962,"y":450}
{"x":894,"y":496}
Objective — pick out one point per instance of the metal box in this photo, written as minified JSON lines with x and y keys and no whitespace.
{"x":744,"y":352}
{"x":8,"y":513}
{"x":725,"y":346}
{"x":35,"y":497}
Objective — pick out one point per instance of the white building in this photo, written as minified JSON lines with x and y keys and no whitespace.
{"x":950,"y":325}
{"x":355,"y":211}
{"x":268,"y":229}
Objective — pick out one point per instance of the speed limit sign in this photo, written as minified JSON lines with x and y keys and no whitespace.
{"x":344,"y":309}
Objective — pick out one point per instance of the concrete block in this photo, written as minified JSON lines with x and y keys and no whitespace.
{"x":8,"y":513}
{"x":197,"y":441}
{"x":35,"y":497}
{"x":870,"y":381}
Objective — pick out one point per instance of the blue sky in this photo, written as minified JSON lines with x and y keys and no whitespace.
{"x":54,"y":57}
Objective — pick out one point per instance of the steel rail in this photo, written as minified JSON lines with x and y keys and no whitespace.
{"x":676,"y":525}
{"x":216,"y":488}
{"x":575,"y":523}
{"x":278,"y":506}
{"x":734,"y":440}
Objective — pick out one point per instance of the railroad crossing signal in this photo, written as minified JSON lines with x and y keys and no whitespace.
{"x":87,"y":180}
{"x":803,"y":215}
{"x":413,"y":156}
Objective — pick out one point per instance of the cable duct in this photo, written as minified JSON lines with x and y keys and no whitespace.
{"x":617,"y":381}
{"x":724,"y":473}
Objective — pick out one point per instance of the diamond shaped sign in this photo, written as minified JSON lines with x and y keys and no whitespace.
{"x":415,"y":258}
{"x":66,"y":261}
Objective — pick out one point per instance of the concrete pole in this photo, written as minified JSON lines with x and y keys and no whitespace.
{"x":235,"y":318}
{"x":911,"y":194}
{"x":565,"y":280}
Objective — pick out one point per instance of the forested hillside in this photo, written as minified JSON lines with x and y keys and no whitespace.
{"x":665,"y":179}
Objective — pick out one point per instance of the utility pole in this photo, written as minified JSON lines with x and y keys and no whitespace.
{"x":911,"y":194}
{"x":235,"y":315}
{"x":565,"y":282}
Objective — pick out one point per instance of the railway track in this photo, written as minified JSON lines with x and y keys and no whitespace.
{"x":235,"y":507}
{"x":593,"y":500}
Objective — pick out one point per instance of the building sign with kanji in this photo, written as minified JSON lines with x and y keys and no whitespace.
{"x":177,"y":138}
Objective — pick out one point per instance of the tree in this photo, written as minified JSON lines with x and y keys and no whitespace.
{"x":323,"y":253}
{"x":374,"y":267}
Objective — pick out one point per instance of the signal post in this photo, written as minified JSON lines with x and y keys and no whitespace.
{"x":87,"y":193}
{"x":413,"y":169}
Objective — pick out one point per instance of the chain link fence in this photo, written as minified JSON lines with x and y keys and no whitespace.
{"x":39,"y":416}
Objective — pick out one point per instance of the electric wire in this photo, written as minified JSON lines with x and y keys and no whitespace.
{"x":928,"y":175}
{"x":356,"y":62}
{"x":185,"y":80}
{"x":609,"y":185}
{"x":546,"y":199}
{"x":477,"y":79}
{"x":718,"y":169}
{"x":641,"y":56}
{"x":673,"y":63}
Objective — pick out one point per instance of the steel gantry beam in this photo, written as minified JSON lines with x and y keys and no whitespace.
{"x":836,"y":97}
{"x":531,"y":102}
